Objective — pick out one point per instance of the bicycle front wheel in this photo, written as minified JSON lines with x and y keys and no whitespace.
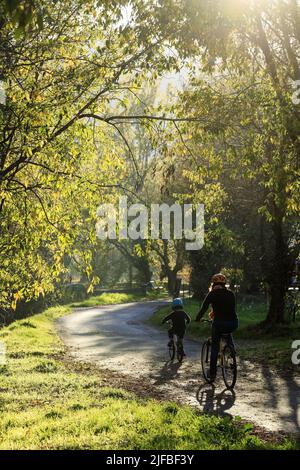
{"x":205,"y":359}
{"x":229,"y":367}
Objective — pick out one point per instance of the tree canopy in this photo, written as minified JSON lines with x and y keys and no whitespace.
{"x":84,"y":121}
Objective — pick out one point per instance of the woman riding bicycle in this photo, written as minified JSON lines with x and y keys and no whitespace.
{"x":225,"y":319}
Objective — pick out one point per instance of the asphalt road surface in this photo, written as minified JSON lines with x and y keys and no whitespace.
{"x":116,"y":337}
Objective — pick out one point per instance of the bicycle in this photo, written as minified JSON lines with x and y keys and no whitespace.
{"x":176,"y":347}
{"x":226,"y":360}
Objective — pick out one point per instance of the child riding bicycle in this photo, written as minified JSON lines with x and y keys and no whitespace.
{"x":179,"y":319}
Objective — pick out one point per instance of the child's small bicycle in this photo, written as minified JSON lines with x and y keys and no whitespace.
{"x":176,"y":347}
{"x":226,"y":360}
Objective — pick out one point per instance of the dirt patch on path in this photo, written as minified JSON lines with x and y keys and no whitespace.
{"x":115,"y":338}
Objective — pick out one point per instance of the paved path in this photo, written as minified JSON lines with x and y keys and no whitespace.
{"x":115,"y":337}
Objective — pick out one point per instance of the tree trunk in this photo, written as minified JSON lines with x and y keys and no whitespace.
{"x":171,"y":282}
{"x":278,"y":278}
{"x":130,"y":274}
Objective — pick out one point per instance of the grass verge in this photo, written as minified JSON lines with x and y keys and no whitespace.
{"x":46,"y":404}
{"x":273,"y":347}
{"x":118,"y":298}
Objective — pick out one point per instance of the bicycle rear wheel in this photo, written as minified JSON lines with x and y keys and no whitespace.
{"x":205,"y":359}
{"x":179,"y":351}
{"x":229,"y":367}
{"x":172,"y":351}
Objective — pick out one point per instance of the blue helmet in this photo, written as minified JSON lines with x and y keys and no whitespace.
{"x":177,"y":302}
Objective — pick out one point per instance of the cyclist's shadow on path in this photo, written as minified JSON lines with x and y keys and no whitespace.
{"x":168,"y":372}
{"x":215,"y":403}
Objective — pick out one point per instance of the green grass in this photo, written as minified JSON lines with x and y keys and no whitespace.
{"x":118,"y":298}
{"x":47,"y":402}
{"x":274,"y":346}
